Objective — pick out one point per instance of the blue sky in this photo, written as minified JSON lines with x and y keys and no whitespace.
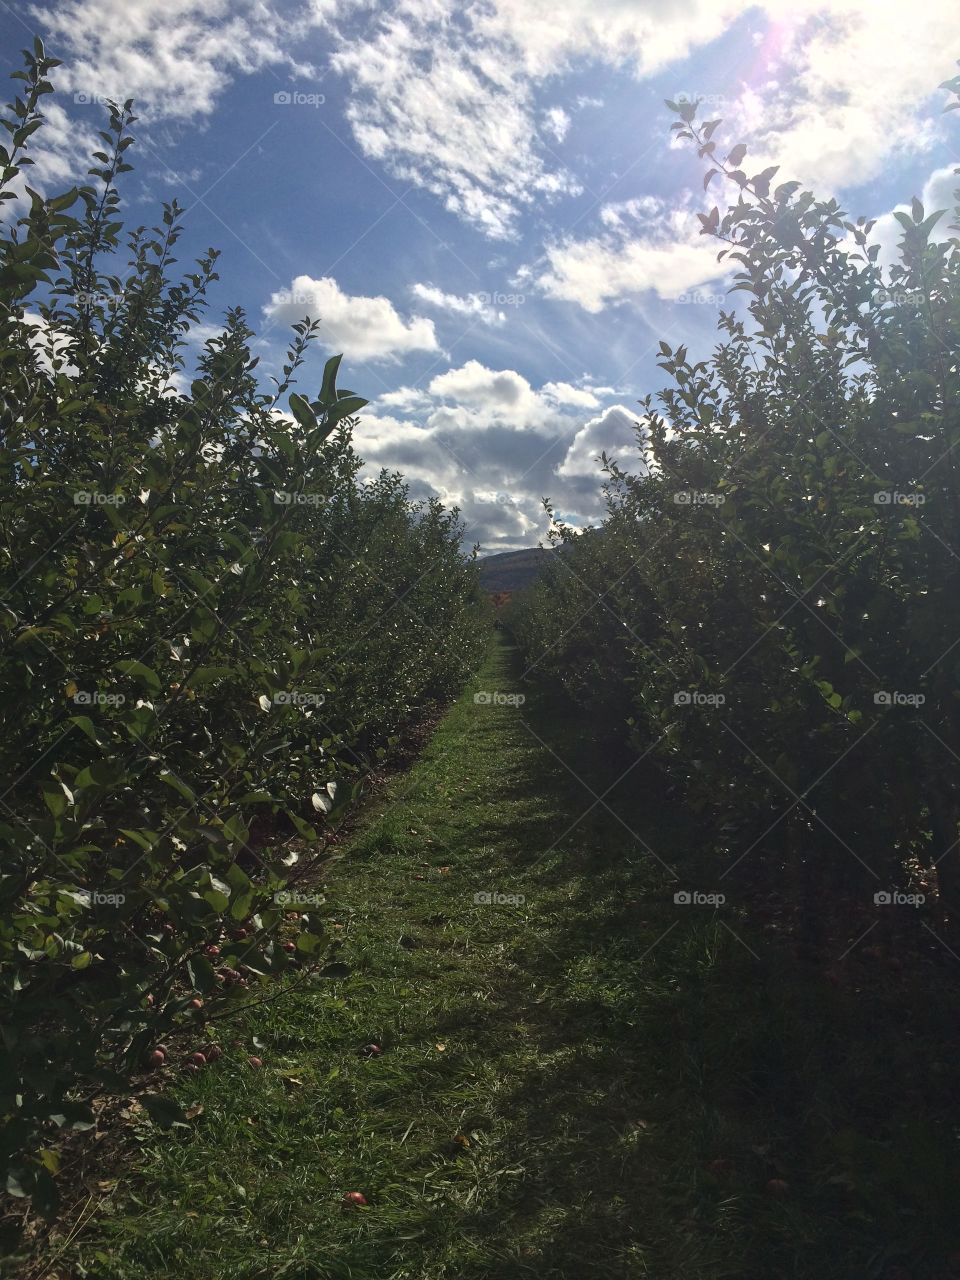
{"x":480,"y":201}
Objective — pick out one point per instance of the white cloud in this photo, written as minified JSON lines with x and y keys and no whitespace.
{"x":614,"y":432}
{"x":806,"y":98}
{"x":474,"y":305}
{"x":465,"y":130}
{"x":405,"y":399}
{"x":362,"y":328}
{"x":645,"y":36}
{"x":815,"y":69}
{"x":816,"y":110}
{"x":171,"y":178}
{"x":620,"y":213}
{"x":556,"y":122}
{"x":175,"y":57}
{"x":488,"y":442}
{"x":485,"y":395}
{"x":667,"y":257}
{"x":499,"y":503}
{"x":473,"y":383}
{"x":564,"y":393}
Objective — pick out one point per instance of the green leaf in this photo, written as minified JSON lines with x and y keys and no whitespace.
{"x":59,"y":203}
{"x":303,"y":828}
{"x":139,"y":671}
{"x":145,"y":839}
{"x":237,"y":879}
{"x":179,"y":785}
{"x":209,"y":675}
{"x":54,"y":798}
{"x":328,"y":389}
{"x":201,"y":972}
{"x":310,"y":942}
{"x":345,"y":408}
{"x":86,"y":725}
{"x":735,"y":158}
{"x":102,"y":773}
{"x":163,"y":1111}
{"x":303,"y":413}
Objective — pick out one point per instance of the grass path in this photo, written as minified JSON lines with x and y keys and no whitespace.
{"x":589,"y":1083}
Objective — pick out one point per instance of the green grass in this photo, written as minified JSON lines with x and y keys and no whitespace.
{"x":597,"y":1046}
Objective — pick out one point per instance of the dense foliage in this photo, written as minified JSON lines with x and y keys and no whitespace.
{"x":209,"y":625}
{"x":772,"y":606}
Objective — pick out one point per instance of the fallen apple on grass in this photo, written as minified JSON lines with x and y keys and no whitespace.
{"x":354,"y":1199}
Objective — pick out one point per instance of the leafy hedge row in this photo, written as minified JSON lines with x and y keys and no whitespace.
{"x":771,"y":608}
{"x":208,"y":624}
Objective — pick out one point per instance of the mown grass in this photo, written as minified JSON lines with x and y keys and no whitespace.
{"x":593,"y":1083}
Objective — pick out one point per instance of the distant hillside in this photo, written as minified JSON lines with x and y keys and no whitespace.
{"x":512,"y":570}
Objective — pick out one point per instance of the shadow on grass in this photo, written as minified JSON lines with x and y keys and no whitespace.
{"x":686,"y":1099}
